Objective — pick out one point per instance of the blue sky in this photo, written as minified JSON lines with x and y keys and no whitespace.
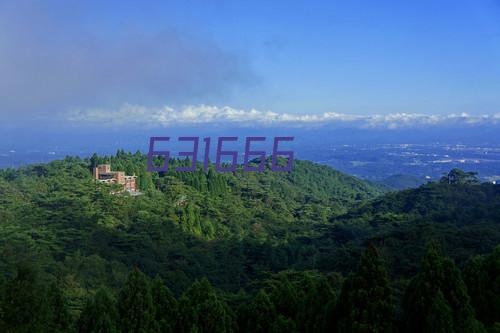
{"x":289,"y":57}
{"x":367,"y":56}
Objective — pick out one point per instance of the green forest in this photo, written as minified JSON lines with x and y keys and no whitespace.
{"x":311,"y":250}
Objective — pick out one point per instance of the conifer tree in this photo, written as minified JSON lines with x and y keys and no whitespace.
{"x":482,"y":277}
{"x":440,"y":318}
{"x":259,"y":315}
{"x":365,"y":303}
{"x":59,"y":319}
{"x":284,"y":325}
{"x":285,"y":297}
{"x":94,"y":160}
{"x":165,"y":307}
{"x":202,"y":310}
{"x":438,"y":275}
{"x":99,"y":314}
{"x":315,"y":295}
{"x":23,"y":308}
{"x":135,"y":304}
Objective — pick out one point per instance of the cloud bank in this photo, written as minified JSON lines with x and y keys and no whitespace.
{"x":167,"y":116}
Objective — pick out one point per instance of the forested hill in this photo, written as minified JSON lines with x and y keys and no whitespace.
{"x":464,"y":218}
{"x":293,"y":235}
{"x":205,"y":204}
{"x":56,"y":213}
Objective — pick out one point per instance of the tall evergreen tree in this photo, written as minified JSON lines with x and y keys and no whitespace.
{"x":285,"y":297}
{"x":365,"y":303}
{"x":440,"y":318}
{"x":23,"y":307}
{"x":59,"y":319}
{"x":316,"y":296}
{"x":284,"y":325}
{"x":94,"y":160}
{"x":99,"y":314}
{"x":259,"y":315}
{"x":202,"y":310}
{"x":482,"y":276}
{"x":135,"y":304}
{"x":166,"y":309}
{"x":438,"y":275}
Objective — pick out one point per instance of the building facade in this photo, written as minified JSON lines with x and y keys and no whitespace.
{"x":103,"y":174}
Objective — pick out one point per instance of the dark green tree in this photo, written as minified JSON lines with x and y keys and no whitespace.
{"x":440,"y":317}
{"x":202,"y":310}
{"x":285,"y":297}
{"x":166,"y":309}
{"x":59,"y":319}
{"x":135,"y":304}
{"x":99,"y":314}
{"x":365,"y":302}
{"x":23,"y":307}
{"x":259,"y":315}
{"x":284,"y":325}
{"x":94,"y":160}
{"x":438,"y":275}
{"x":457,"y":176}
{"x":315,"y":303}
{"x":482,"y":276}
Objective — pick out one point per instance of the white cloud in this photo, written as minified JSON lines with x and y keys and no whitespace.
{"x":167,"y":116}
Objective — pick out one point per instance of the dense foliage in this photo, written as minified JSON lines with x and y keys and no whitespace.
{"x":251,"y":252}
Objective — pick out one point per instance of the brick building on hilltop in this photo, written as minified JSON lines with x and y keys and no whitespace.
{"x":103,"y":174}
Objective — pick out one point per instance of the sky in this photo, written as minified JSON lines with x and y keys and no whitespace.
{"x":160,"y":63}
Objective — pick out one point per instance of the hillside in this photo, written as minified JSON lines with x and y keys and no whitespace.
{"x":463,"y":218}
{"x":56,"y":213}
{"x":241,"y":231}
